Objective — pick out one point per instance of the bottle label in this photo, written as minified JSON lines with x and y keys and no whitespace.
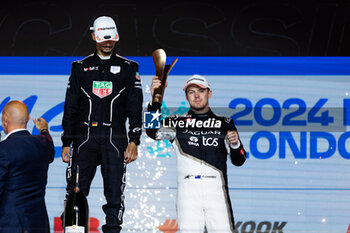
{"x":75,"y":229}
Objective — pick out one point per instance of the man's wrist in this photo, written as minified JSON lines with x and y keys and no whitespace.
{"x":135,"y":140}
{"x":154,"y":106}
{"x":236,"y":146}
{"x":44,"y":131}
{"x":66,"y":142}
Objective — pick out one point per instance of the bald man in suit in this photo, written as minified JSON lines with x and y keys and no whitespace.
{"x":24,"y":162}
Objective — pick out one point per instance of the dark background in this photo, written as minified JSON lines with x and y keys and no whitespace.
{"x":182,"y":28}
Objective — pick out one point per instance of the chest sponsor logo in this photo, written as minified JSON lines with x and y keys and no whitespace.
{"x":115,"y":69}
{"x":202,"y":132}
{"x":193,"y":143}
{"x":210,"y":141}
{"x":91,"y":68}
{"x":102,"y":88}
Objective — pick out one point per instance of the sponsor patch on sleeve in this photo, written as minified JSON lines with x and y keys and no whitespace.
{"x":138,"y":76}
{"x":138,"y":83}
{"x":242,"y":152}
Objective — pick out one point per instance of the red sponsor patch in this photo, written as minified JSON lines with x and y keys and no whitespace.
{"x":242,"y":152}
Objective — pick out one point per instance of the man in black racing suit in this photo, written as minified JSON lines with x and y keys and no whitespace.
{"x":201,"y":141}
{"x":104,"y":90}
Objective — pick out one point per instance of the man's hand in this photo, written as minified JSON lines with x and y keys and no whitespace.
{"x":156,"y":83}
{"x":232,"y":137}
{"x":169,"y":226}
{"x":131,"y":152}
{"x":41,"y":124}
{"x":65,"y":154}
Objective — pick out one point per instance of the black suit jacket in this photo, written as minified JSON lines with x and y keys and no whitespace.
{"x":24,"y":162}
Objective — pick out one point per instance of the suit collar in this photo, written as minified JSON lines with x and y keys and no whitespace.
{"x":13,"y":132}
{"x":111,"y":58}
{"x":206,"y":114}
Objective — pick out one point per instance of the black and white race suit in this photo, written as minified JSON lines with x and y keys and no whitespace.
{"x":201,"y":148}
{"x":101,"y":95}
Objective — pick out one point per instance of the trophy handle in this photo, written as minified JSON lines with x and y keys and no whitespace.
{"x":168,"y":68}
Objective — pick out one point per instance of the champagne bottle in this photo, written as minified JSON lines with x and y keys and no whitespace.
{"x":76,"y":211}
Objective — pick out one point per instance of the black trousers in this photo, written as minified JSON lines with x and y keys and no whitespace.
{"x":90,"y":152}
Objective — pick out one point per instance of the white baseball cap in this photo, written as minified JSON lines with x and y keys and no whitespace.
{"x":105,"y":29}
{"x":197,"y":80}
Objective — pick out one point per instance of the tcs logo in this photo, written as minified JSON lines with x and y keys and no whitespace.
{"x":210,"y":141}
